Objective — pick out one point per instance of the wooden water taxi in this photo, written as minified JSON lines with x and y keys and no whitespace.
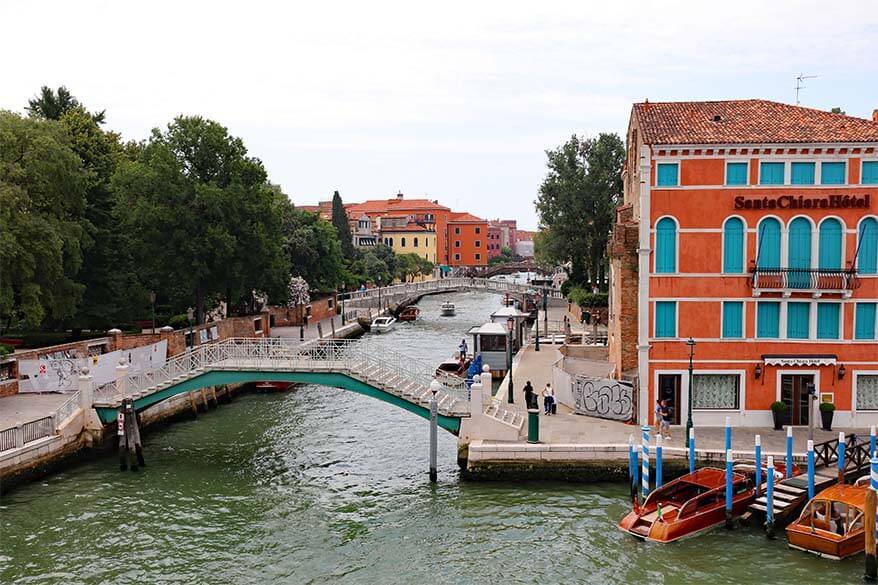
{"x":831,"y":524}
{"x":693,"y":503}
{"x":448,"y":309}
{"x":453,"y":368}
{"x":409,"y":314}
{"x":382,"y":324}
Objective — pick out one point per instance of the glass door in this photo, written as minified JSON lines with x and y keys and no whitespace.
{"x":669,"y":389}
{"x":794,"y":393}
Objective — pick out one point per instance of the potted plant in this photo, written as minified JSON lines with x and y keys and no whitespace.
{"x":826,"y":410}
{"x":778,"y":414}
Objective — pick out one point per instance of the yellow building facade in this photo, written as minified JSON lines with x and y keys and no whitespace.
{"x":411,"y":240}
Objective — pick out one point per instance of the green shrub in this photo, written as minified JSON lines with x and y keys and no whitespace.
{"x":778,"y":406}
{"x":565,"y":287}
{"x":5,"y":349}
{"x":585,"y":299}
{"x":827,"y":407}
{"x":179,"y":321}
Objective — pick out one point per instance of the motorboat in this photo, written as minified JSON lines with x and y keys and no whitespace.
{"x":448,"y":309}
{"x":693,"y":503}
{"x":452,"y":369}
{"x":831,"y":524}
{"x":409,"y":313}
{"x":382,"y":324}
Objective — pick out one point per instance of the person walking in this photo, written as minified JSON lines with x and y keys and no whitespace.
{"x":529,"y":396}
{"x":657,"y":416}
{"x":549,"y":400}
{"x":666,"y":419}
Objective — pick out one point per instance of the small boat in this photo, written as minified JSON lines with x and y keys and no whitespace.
{"x":448,"y":309}
{"x":693,"y":503}
{"x":409,"y":314}
{"x":452,"y":368}
{"x":382,"y":324}
{"x":831,"y":524}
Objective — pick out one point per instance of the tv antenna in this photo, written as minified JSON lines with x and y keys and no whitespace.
{"x":800,"y":84}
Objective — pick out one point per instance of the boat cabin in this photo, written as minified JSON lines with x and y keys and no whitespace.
{"x":831,"y":524}
{"x":490,"y":340}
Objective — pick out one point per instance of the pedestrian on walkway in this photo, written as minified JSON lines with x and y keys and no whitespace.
{"x":666,"y":419}
{"x":657,"y":416}
{"x":529,"y":396}
{"x":549,"y":400}
{"x":462,"y":348}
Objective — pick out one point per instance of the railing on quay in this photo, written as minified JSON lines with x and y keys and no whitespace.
{"x":804,"y":279}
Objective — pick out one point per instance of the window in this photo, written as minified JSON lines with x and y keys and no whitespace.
{"x":733,"y":319}
{"x":733,"y":246}
{"x":457,"y":257}
{"x":457,"y":231}
{"x":798,"y":318}
{"x":402,"y":242}
{"x":800,"y":253}
{"x":665,"y":319}
{"x":478,"y":230}
{"x":391,"y":242}
{"x":716,"y":391}
{"x":457,"y":243}
{"x":867,"y":392}
{"x":864,"y":321}
{"x":768,"y":250}
{"x":668,"y":174}
{"x":736,"y":173}
{"x":867,"y":256}
{"x":478,"y":243}
{"x":802,"y":173}
{"x":426,"y":242}
{"x":768,"y":320}
{"x":830,"y":245}
{"x":870,"y":173}
{"x":827,"y":320}
{"x":492,"y":343}
{"x":832,"y":173}
{"x":257,"y":326}
{"x":666,"y":246}
{"x":478,"y":257}
{"x":771,"y":173}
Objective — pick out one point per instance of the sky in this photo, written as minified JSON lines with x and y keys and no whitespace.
{"x":456,"y":101}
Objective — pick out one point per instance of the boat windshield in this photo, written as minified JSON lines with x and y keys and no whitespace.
{"x":830,"y":516}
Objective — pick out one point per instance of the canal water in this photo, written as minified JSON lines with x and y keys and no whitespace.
{"x":325,"y":486}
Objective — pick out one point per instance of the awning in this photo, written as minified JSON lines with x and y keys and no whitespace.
{"x":799,"y":360}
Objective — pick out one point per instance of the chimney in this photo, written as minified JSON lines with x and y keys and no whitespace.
{"x":399,"y":195}
{"x":875,"y":115}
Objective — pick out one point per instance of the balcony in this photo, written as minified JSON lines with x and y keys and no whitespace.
{"x":808,"y":280}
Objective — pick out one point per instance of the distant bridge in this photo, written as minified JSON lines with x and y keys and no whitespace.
{"x":528,"y":265}
{"x":413,"y":290}
{"x":355,"y":365}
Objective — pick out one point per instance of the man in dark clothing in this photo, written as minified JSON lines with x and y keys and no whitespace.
{"x":529,"y":396}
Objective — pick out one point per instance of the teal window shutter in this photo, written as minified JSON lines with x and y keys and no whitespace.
{"x":733,"y":317}
{"x":827,"y":320}
{"x":768,"y":320}
{"x":798,"y":315}
{"x":733,"y":246}
{"x":668,"y":175}
{"x":768,"y":252}
{"x":865,"y":321}
{"x":802,"y":173}
{"x":870,"y":173}
{"x":771,"y":173}
{"x":736,"y":174}
{"x":665,"y":319}
{"x":832,"y":173}
{"x":867,"y":253}
{"x":666,"y":246}
{"x":831,"y":235}
{"x":800,"y":253}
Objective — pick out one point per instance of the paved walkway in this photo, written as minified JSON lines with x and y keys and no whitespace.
{"x":27,"y":407}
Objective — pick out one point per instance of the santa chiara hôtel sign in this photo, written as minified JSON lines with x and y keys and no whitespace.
{"x":805,"y":202}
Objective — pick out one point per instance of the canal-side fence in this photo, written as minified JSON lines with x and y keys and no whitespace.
{"x":27,"y":432}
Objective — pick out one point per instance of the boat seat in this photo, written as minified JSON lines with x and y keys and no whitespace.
{"x":666,"y":510}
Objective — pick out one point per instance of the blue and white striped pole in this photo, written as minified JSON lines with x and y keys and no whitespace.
{"x":658,"y":461}
{"x":692,"y":450}
{"x":872,"y":441}
{"x":810,"y":470}
{"x":633,"y":467}
{"x":789,"y":469}
{"x":728,"y":488}
{"x":841,"y":449}
{"x":769,"y":499}
{"x":728,"y":433}
{"x":644,"y":461}
{"x":758,"y":457}
{"x":871,"y":563}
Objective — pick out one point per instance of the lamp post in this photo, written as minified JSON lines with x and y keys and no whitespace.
{"x":545,"y":311}
{"x":537,"y":326}
{"x":691,"y":343}
{"x":190,"y":314}
{"x":435,"y":386}
{"x":378,"y":280}
{"x":343,"y":289}
{"x":152,"y":305}
{"x":811,"y":393}
{"x":510,"y":325}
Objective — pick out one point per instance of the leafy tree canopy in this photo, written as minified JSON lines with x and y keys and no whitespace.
{"x":313,"y":249}
{"x":51,"y":105}
{"x":342,"y":226}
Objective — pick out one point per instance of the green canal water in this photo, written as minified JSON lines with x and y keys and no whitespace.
{"x":324,"y":486}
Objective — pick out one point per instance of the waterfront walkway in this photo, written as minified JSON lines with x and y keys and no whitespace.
{"x":22,"y":408}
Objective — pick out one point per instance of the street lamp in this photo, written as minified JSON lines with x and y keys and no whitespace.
{"x":378,"y":279}
{"x":343,"y":288}
{"x":152,"y":304}
{"x":435,"y":386}
{"x":691,"y":343}
{"x":510,"y":325}
{"x":190,"y":314}
{"x":811,"y":393}
{"x":537,"y":325}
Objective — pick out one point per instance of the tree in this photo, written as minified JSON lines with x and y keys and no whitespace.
{"x":342,"y":227}
{"x":313,"y":250}
{"x":576,"y":204}
{"x":506,"y":255}
{"x":51,"y":105}
{"x":42,"y":201}
{"x":837,"y":110}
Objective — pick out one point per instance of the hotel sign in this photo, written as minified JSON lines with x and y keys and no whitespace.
{"x":803,"y":202}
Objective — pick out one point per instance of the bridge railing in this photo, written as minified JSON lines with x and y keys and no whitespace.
{"x":442,"y":284}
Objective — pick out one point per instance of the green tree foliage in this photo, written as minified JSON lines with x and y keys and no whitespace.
{"x":42,"y":202}
{"x":409,"y":266}
{"x":202,"y":217}
{"x":342,"y":227}
{"x":51,"y":105}
{"x":312,"y":247}
{"x":576,"y":204}
{"x":837,"y":110}
{"x":506,"y":256}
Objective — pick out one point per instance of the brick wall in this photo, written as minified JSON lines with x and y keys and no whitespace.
{"x":316,"y":310}
{"x":622,"y":329}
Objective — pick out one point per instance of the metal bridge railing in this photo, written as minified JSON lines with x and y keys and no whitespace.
{"x":447,"y":284}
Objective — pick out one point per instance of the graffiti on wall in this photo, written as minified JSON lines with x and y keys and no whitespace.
{"x":603,"y":398}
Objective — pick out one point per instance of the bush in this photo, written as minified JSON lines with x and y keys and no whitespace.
{"x":565,"y":287}
{"x":179,"y":321}
{"x":827,"y":407}
{"x":778,"y":406}
{"x":579,"y":296}
{"x":5,"y":350}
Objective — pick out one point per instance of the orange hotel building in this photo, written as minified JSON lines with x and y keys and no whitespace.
{"x":751,"y":227}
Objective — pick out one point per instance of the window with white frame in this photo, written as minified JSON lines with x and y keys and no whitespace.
{"x":867,"y":392}
{"x":716,"y":391}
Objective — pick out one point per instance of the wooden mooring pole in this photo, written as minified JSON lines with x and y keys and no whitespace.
{"x":128,"y":431}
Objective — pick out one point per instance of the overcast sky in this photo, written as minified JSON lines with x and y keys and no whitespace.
{"x":457,"y":101}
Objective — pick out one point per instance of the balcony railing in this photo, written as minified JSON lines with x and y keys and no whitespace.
{"x":804,"y":279}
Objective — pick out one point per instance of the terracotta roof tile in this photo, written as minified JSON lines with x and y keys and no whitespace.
{"x":463,"y":216}
{"x":747,"y":122}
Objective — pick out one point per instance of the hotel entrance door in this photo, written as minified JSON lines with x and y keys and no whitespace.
{"x":794,"y":393}
{"x":669,"y":389}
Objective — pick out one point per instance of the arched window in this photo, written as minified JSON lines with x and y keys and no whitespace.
{"x":403,"y":242}
{"x":768,"y":246}
{"x":415,"y":243}
{"x":733,"y":246}
{"x":830,"y":245}
{"x":391,"y":242}
{"x":800,"y":253}
{"x":666,"y":246}
{"x":867,"y":254}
